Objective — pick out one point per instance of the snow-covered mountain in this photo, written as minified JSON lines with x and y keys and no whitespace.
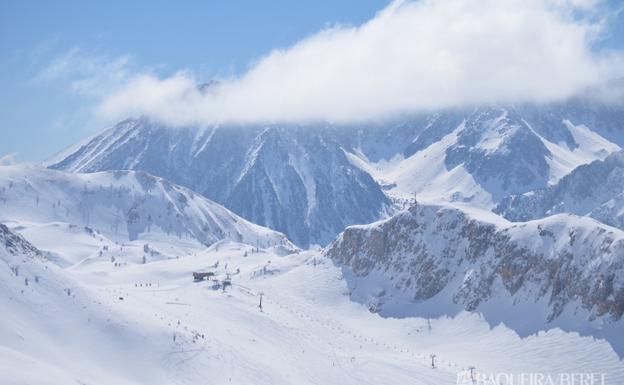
{"x":480,"y":156}
{"x":121,"y":206}
{"x":310,"y":181}
{"x":292,"y":179}
{"x":563,"y":271}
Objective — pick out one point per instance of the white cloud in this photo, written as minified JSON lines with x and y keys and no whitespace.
{"x":413,"y":55}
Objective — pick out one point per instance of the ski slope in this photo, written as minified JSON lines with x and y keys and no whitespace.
{"x":151,"y":323}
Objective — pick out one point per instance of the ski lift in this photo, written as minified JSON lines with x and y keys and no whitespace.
{"x":226,"y":282}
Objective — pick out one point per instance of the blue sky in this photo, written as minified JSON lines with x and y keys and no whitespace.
{"x":211,"y":38}
{"x":45,"y":110}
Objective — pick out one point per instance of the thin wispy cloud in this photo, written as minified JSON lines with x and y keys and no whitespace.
{"x":8,"y":159}
{"x":411,"y":56}
{"x":92,"y":74}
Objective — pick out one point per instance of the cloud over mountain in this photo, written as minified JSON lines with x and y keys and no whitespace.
{"x":410,"y":56}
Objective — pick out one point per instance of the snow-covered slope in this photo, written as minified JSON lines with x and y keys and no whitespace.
{"x":562,"y":271}
{"x":53,"y":330}
{"x":121,"y":206}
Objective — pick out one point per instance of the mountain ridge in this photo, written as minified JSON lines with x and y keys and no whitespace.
{"x":124,"y":206}
{"x":436,"y":259}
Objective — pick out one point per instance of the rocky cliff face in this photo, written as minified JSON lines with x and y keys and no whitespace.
{"x":15,"y":245}
{"x":565,"y":265}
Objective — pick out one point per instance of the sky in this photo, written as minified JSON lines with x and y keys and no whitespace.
{"x":214,"y":39}
{"x":71,"y":68}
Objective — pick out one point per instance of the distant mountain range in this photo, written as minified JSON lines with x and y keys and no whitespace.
{"x":311,"y":181}
{"x":595,"y":190}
